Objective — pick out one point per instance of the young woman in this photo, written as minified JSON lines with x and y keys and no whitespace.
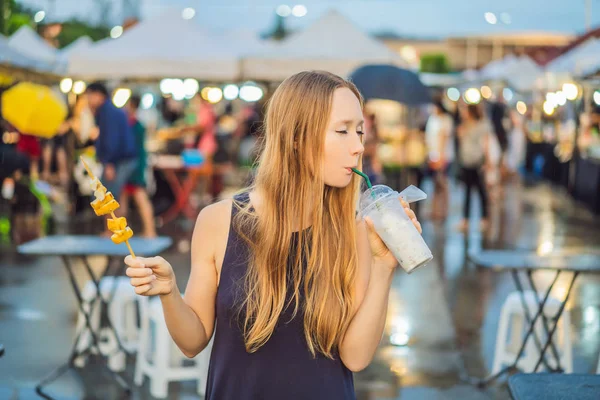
{"x":440,"y":146}
{"x":474,"y":135}
{"x":438,"y":136}
{"x":296,"y":286}
{"x":136,"y":186}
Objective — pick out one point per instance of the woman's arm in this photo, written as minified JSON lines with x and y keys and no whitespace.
{"x":212,"y":228}
{"x":376,"y":267}
{"x":372,"y":293}
{"x":190,"y":319}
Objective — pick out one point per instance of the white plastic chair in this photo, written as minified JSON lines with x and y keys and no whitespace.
{"x":512,"y":329}
{"x":160,"y":359}
{"x":122,"y":312}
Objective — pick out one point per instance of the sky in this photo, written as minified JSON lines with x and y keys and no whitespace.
{"x":417,"y":18}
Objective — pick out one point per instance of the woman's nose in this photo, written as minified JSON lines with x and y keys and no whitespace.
{"x":358,"y":147}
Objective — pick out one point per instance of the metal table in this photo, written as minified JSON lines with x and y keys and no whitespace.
{"x":527,"y":262}
{"x":554,"y":387}
{"x":69,"y":247}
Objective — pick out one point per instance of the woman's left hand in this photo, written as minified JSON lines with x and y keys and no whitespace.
{"x":379,"y":251}
{"x":411,"y":214}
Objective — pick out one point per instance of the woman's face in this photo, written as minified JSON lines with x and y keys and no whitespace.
{"x":343,"y":139}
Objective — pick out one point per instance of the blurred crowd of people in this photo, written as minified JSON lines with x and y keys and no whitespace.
{"x":480,"y":145}
{"x":114,"y":141}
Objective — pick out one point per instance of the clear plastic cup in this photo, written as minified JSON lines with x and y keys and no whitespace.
{"x":382,"y":205}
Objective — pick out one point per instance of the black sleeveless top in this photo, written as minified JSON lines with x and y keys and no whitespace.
{"x":283,"y":368}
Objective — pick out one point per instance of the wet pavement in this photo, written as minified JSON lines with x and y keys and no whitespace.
{"x":446,"y":314}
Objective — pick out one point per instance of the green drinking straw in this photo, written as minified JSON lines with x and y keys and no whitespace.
{"x":368,"y":184}
{"x":364,"y":176}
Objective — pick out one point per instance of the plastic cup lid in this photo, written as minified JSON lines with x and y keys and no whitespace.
{"x":412,"y":194}
{"x":368,"y":198}
{"x":377,"y":192}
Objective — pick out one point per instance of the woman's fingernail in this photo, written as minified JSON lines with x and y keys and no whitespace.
{"x":153,"y":277}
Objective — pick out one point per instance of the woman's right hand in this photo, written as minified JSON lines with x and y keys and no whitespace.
{"x":150,"y":276}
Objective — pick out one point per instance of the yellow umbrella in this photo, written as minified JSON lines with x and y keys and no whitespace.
{"x":33,"y":109}
{"x":5,"y":79}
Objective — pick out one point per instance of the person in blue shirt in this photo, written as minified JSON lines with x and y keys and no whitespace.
{"x":115,"y":147}
{"x":136,"y":185}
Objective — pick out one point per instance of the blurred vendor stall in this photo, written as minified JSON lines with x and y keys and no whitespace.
{"x":395,"y":97}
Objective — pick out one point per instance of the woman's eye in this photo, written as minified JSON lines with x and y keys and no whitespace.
{"x":357,"y":132}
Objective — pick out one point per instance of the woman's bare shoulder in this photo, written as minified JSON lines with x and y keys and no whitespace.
{"x":215,"y":216}
{"x":211,"y":233}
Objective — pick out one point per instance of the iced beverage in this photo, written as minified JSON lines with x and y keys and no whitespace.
{"x":382,"y":205}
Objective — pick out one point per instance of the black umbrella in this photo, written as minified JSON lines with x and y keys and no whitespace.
{"x":390,"y":83}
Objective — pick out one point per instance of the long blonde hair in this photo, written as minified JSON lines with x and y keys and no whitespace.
{"x":290,"y":176}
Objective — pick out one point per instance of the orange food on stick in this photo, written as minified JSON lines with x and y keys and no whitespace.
{"x":122,"y":236}
{"x":118,"y":224}
{"x":105,"y":204}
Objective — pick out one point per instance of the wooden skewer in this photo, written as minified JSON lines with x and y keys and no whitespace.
{"x":87,"y":168}
{"x":130,"y":249}
{"x":112,"y":214}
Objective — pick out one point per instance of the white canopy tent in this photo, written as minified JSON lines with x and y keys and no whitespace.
{"x":520,"y":72}
{"x":27,"y":42}
{"x":166,"y":46}
{"x":570,"y":62}
{"x":591,"y":64}
{"x":81,"y":44}
{"x":579,"y":61}
{"x":332,"y":43}
{"x":14,"y":58}
{"x":243,"y":42}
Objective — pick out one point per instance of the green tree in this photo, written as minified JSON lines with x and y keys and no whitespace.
{"x":74,"y":29}
{"x":6,"y":7}
{"x":435,"y":63}
{"x":13,"y":16}
{"x":16,"y":21}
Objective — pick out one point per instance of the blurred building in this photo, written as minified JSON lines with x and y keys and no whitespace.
{"x":471,"y":52}
{"x":412,"y":49}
